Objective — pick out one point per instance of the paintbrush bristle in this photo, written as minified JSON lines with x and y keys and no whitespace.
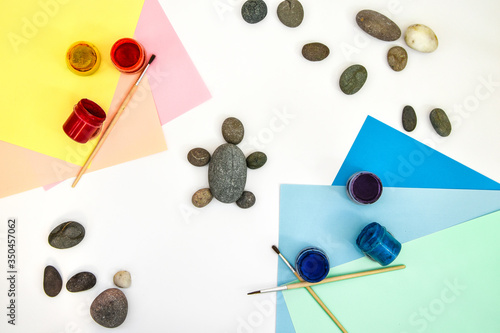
{"x":254,"y":292}
{"x":151,"y":59}
{"x":276,"y":249}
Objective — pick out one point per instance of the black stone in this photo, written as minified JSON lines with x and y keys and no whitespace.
{"x":66,"y":235}
{"x":52,"y":281}
{"x":409,"y":118}
{"x":378,"y":25}
{"x":246,"y":200}
{"x":256,"y":160}
{"x":315,"y":51}
{"x":353,"y":79}
{"x":233,"y":130}
{"x":254,"y":11}
{"x":440,"y":122}
{"x":110,"y":308}
{"x":198,"y":157}
{"x":290,"y":13}
{"x":81,"y":282}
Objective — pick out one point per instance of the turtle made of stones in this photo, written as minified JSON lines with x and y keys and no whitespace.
{"x":227,"y":168}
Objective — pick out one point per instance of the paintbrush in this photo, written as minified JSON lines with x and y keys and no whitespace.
{"x":108,"y":129}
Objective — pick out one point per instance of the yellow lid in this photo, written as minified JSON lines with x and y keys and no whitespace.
{"x":83,"y":58}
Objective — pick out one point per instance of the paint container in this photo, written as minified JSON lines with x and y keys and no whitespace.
{"x":378,"y":244}
{"x":85,"y":122}
{"x":312,"y":264}
{"x":364,"y":188}
{"x":83,"y":58}
{"x":128,"y":55}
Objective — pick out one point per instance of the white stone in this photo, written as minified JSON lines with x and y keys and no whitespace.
{"x":122,"y":279}
{"x":421,"y":38}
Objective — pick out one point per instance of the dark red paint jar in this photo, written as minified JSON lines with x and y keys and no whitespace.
{"x":85,"y":122}
{"x":128,"y":55}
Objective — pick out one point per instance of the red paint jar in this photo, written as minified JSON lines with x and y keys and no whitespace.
{"x":128,"y":55}
{"x":85,"y":122}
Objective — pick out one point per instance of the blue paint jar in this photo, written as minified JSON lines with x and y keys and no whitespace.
{"x":378,"y":244}
{"x":312,"y":264}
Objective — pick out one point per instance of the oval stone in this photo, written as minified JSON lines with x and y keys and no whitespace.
{"x":227,"y":173}
{"x":378,"y":25}
{"x":440,"y":122}
{"x":353,"y":79}
{"x":52,"y":281}
{"x":202,"y":197}
{"x":122,"y":279}
{"x":246,"y":200}
{"x":397,"y":57}
{"x":254,"y":11}
{"x":198,"y":157}
{"x":233,"y":130}
{"x":315,"y":51}
{"x":110,"y":308}
{"x":81,"y":282}
{"x":290,"y":13}
{"x":409,"y":118}
{"x":421,"y":38}
{"x":66,"y":235}
{"x":256,"y":160}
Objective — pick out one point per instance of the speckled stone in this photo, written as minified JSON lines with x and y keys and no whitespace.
{"x":421,"y":38}
{"x":256,"y":160}
{"x":397,"y":57}
{"x":198,"y":157}
{"x":353,"y":79}
{"x":409,"y":118}
{"x":254,"y":11}
{"x":52,"y":281}
{"x":233,"y":130}
{"x":66,"y":235}
{"x":315,"y":51}
{"x":290,"y":13}
{"x":81,"y":282}
{"x":440,"y":122}
{"x":227,"y":173}
{"x":246,"y":200}
{"x":122,"y":279}
{"x":110,"y":308}
{"x":202,"y":197}
{"x":378,"y":25}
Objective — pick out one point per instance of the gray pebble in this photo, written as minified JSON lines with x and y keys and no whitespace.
{"x":246,"y":200}
{"x":291,"y":13}
{"x":110,"y":308}
{"x":440,"y":122}
{"x":315,"y":51}
{"x":409,"y":118}
{"x":233,"y":130}
{"x":353,"y":79}
{"x":198,"y":157}
{"x":397,"y":57}
{"x":52,"y":281}
{"x":256,"y":160}
{"x":66,"y":235}
{"x":81,"y":282}
{"x":254,"y":11}
{"x":378,"y":25}
{"x":202,"y":197}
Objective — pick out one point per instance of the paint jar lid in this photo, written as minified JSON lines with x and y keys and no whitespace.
{"x":128,"y":55}
{"x":312,"y":264}
{"x":364,"y":187}
{"x":83,"y":58}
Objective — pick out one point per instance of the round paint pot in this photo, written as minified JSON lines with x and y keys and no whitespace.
{"x":128,"y":55}
{"x":378,"y":244}
{"x":83,"y":58}
{"x":85,"y":122}
{"x":364,"y":188}
{"x":312,"y":264}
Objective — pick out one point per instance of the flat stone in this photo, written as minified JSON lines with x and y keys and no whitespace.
{"x":440,"y":122}
{"x":202,"y":197}
{"x":52,"y":281}
{"x":353,"y":79}
{"x":291,"y":13}
{"x":397,"y":57}
{"x":233,"y":130}
{"x":254,"y":11}
{"x":110,"y":308}
{"x":198,"y":157}
{"x":421,"y":38}
{"x":227,"y":173}
{"x":409,"y":118}
{"x":315,"y":51}
{"x":81,"y":282}
{"x":378,"y":25}
{"x":256,"y":160}
{"x":122,"y":279}
{"x":66,"y":235}
{"x":246,"y":200}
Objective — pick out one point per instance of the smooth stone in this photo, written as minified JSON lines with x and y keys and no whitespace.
{"x":246,"y":200}
{"x":440,"y":122}
{"x":202,"y":197}
{"x":397,"y":57}
{"x":315,"y":51}
{"x":256,"y":160}
{"x":291,"y":13}
{"x":66,"y":235}
{"x":122,"y":279}
{"x":233,"y":130}
{"x":110,"y":308}
{"x":353,"y":79}
{"x":52,"y":281}
{"x":409,"y":118}
{"x":254,"y":11}
{"x":421,"y":38}
{"x":198,"y":157}
{"x":227,"y":173}
{"x":81,"y":282}
{"x":378,"y":25}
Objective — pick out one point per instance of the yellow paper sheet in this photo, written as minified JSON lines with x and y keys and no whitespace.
{"x":39,"y":91}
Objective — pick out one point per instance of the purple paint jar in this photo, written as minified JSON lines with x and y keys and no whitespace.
{"x":364,"y":188}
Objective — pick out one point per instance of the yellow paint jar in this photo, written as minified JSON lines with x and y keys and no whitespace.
{"x":83,"y":58}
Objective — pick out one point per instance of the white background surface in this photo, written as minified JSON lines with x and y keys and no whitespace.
{"x":191,"y":268}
